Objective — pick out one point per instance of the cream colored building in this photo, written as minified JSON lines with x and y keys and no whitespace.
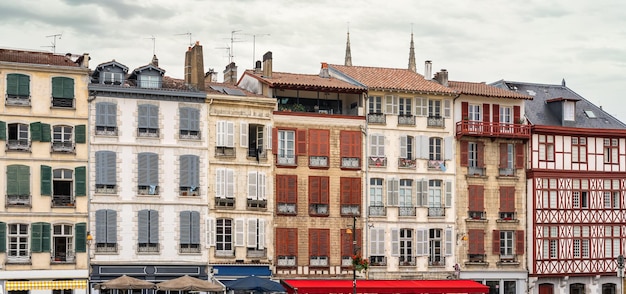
{"x":43,"y":214}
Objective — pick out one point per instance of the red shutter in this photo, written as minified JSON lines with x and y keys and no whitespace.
{"x":286,"y":242}
{"x":481,"y":154}
{"x":495,"y":242}
{"x":464,"y":110}
{"x":519,"y":242}
{"x":281,"y":244}
{"x":346,"y":243}
{"x":300,"y":142}
{"x":356,"y":191}
{"x":314,"y":141}
{"x":292,"y":189}
{"x":516,"y":114}
{"x":486,"y":116}
{"x":507,"y":199}
{"x":324,"y":189}
{"x":496,"y":113}
{"x":350,"y":144}
{"x":344,"y":190}
{"x":476,"y":242}
{"x":324,"y":143}
{"x":519,"y":155}
{"x":324,"y":243}
{"x":281,"y":188}
{"x":292,"y":242}
{"x":476,"y":198}
{"x":464,"y":154}
{"x":314,"y":190}
{"x":503,"y":154}
{"x":274,"y":141}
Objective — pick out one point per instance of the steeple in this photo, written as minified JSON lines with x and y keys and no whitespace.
{"x":348,"y":61}
{"x":412,"y":65}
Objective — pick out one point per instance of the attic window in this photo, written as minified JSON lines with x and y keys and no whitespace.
{"x":569,"y":110}
{"x":590,"y":114}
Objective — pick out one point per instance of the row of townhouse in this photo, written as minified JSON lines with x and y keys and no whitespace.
{"x":108,"y":172}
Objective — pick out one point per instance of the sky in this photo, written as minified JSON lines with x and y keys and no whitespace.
{"x":537,"y":41}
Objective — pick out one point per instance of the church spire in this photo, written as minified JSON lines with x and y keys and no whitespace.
{"x":348,"y":61}
{"x":412,"y":65}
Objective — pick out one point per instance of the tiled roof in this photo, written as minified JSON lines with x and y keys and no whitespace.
{"x":394,"y":79}
{"x":34,"y":57}
{"x":209,"y":87}
{"x":482,"y":89}
{"x":281,"y":79}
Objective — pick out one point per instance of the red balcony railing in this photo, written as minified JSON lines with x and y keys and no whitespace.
{"x":490,"y":129}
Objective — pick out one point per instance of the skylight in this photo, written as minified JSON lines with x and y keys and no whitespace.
{"x":590,"y":114}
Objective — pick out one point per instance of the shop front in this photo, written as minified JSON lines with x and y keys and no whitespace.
{"x":383,"y":286}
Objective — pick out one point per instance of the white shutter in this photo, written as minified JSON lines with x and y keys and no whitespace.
{"x":421,"y":245}
{"x":243,"y":135}
{"x":393,"y":187}
{"x":425,"y":192}
{"x":221,"y":128}
{"x":239,"y":232}
{"x":261,"y":185}
{"x":268,"y":137}
{"x":448,"y":194}
{"x":220,"y":179}
{"x":261,"y":233}
{"x":252,"y":185}
{"x":446,"y":108}
{"x":448,"y":242}
{"x":403,"y":146}
{"x":377,"y":241}
{"x":421,"y":106}
{"x":395,"y":242}
{"x":447,"y":145}
{"x":424,"y":147}
{"x":230,"y":134}
{"x":389,"y":104}
{"x":252,"y":232}
{"x":230,"y":183}
{"x":210,"y":232}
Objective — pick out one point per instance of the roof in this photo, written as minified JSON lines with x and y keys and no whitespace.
{"x":394,"y":79}
{"x":482,"y":89}
{"x":305,"y":81}
{"x":36,"y":57}
{"x":384,"y":286}
{"x":538,"y":111}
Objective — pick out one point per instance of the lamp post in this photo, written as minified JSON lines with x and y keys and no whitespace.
{"x":620,"y":272}
{"x":89,"y":240}
{"x":354,"y":249}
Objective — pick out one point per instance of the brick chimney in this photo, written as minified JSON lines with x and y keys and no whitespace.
{"x":442,"y":77}
{"x":210,"y":76}
{"x":257,"y":67}
{"x":267,"y":64}
{"x":194,"y":67}
{"x":428,"y":70}
{"x":324,"y":71}
{"x":230,"y":74}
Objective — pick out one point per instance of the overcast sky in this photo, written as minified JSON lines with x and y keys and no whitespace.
{"x":539,"y":41}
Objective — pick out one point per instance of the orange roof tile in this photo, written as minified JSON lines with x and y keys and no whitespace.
{"x":281,"y":79}
{"x":35,"y":57}
{"x":394,"y":79}
{"x":482,"y":89}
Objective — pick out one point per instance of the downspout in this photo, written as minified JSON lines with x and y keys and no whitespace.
{"x":90,"y":99}
{"x":366,"y":228}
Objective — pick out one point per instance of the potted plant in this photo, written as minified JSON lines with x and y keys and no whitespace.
{"x":359,"y":263}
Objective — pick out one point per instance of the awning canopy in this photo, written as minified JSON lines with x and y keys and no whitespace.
{"x":45,"y":285}
{"x":384,"y":286}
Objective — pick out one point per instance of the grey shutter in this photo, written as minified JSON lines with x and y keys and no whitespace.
{"x":395,"y":242}
{"x":189,"y":171}
{"x":101,"y":114}
{"x":448,"y":194}
{"x":418,"y":193}
{"x":154,"y":227}
{"x":185,"y":227}
{"x":261,"y":234}
{"x":194,"y":119}
{"x":184,"y":171}
{"x":252,"y":233}
{"x":184,"y":118}
{"x":448,"y":242}
{"x":393,"y":187}
{"x":111,"y":227}
{"x":105,"y":168}
{"x":101,"y":226}
{"x":153,"y":116}
{"x":424,"y":147}
{"x":403,"y":146}
{"x":448,"y":153}
{"x":142,"y":116}
{"x":148,"y":169}
{"x":142,"y":231}
{"x":195,"y":227}
{"x":111,"y":115}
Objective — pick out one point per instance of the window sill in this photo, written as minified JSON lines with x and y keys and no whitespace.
{"x":508,"y":262}
{"x":507,"y":221}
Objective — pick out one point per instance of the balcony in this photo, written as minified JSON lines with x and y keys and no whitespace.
{"x":476,"y":258}
{"x":508,"y":259}
{"x":62,"y":257}
{"x":406,"y":120}
{"x":63,"y":147}
{"x":148,"y":190}
{"x":318,"y":261}
{"x":350,"y":162}
{"x":437,"y":165}
{"x":189,"y":135}
{"x":254,"y":152}
{"x":406,"y":261}
{"x":286,"y":208}
{"x":62,"y":201}
{"x":490,"y":129}
{"x":256,"y":253}
{"x":148,"y":247}
{"x":436,"y":261}
{"x":105,"y":189}
{"x":406,"y":211}
{"x":377,"y":161}
{"x":63,"y":102}
{"x":189,"y":191}
{"x":377,"y":211}
{"x":506,"y":217}
{"x":286,"y":261}
{"x":256,"y":204}
{"x":378,"y":261}
{"x":318,"y":161}
{"x":506,"y":172}
{"x":18,"y":200}
{"x":477,"y":215}
{"x":189,"y":248}
{"x":406,"y":163}
{"x":318,"y":209}
{"x":18,"y":145}
{"x":475,"y":171}
{"x":222,"y":151}
{"x":106,"y":131}
{"x":436,"y":122}
{"x":436,"y":211}
{"x":376,"y":118}
{"x":224,"y":202}
{"x":106,"y":247}
{"x":148,"y":132}
{"x":18,"y":100}
{"x":350,"y":210}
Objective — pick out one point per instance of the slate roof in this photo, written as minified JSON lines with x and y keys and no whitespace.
{"x":36,"y":57}
{"x":538,"y":113}
{"x":305,"y":81}
{"x":482,"y":89}
{"x":391,"y":79}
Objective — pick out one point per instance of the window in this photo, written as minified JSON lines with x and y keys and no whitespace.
{"x":62,"y":243}
{"x":189,"y":232}
{"x":580,"y":242}
{"x":348,"y":246}
{"x":506,"y":115}
{"x":319,"y":148}
{"x":224,"y":187}
{"x":189,"y":123}
{"x":421,"y":106}
{"x":106,"y":172}
{"x":391,"y":104}
{"x":286,"y":147}
{"x":148,"y":121}
{"x":18,"y":250}
{"x":475,"y":157}
{"x":476,"y":202}
{"x":319,"y":247}
{"x":580,"y":193}
{"x":474,"y":113}
{"x":149,"y":81}
{"x":148,"y":173}
{"x":18,"y":137}
{"x":225,"y":139}
{"x":476,"y":250}
{"x":256,"y":190}
{"x":612,"y":241}
{"x":106,"y":119}
{"x":318,"y":195}
{"x":62,"y":92}
{"x":434,"y":108}
{"x":507,"y":203}
{"x":405,"y":106}
{"x":62,"y":139}
{"x":106,"y":230}
{"x":569,"y":109}
{"x":406,"y":247}
{"x":18,"y":89}
{"x":377,"y":145}
{"x":435,"y":254}
{"x":350,"y":144}
{"x":286,"y":194}
{"x":377,"y":247}
{"x":435,"y":148}
{"x":548,"y":193}
{"x":612,"y":194}
{"x":546,"y":148}
{"x":252,"y":136}
{"x":611,"y":151}
{"x":62,"y":186}
{"x":18,"y":185}
{"x":579,"y":149}
{"x":376,"y":206}
{"x":393,"y":187}
{"x":434,"y":193}
{"x":405,"y":194}
{"x":350,"y":192}
{"x":256,"y":238}
{"x":112,"y":78}
{"x":148,"y":231}
{"x":507,"y":159}
{"x":224,"y":237}
{"x":407,"y":152}
{"x":40,"y":237}
{"x":189,"y":175}
{"x":375,"y":104}
{"x":286,"y":247}
{"x":506,"y":245}
{"x":609,"y":288}
{"x":550,"y":242}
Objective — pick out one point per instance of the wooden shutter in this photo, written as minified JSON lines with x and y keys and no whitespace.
{"x":80,"y":181}
{"x":464,"y":153}
{"x":261,"y":233}
{"x":274,"y":141}
{"x":481,"y":154}
{"x":476,"y":198}
{"x":503,"y":155}
{"x":230,"y":134}
{"x":40,"y":237}
{"x":101,"y":226}
{"x":286,"y":241}
{"x":403,"y":146}
{"x":495,"y":242}
{"x":81,"y":237}
{"x":243,"y":134}
{"x":3,"y":237}
{"x":3,"y":131}
{"x":35,"y":131}
{"x":230,"y":183}
{"x":154,"y":227}
{"x":395,"y":242}
{"x":210,"y":232}
{"x":486,"y":116}
{"x":448,"y":194}
{"x":80,"y":131}
{"x":519,"y":155}
{"x":300,"y":142}
{"x":319,"y":142}
{"x":507,"y":199}
{"x":252,"y":233}
{"x":111,"y":226}
{"x":421,"y":244}
{"x":516,"y":114}
{"x":350,"y":144}
{"x":45,"y":133}
{"x":252,"y":185}
{"x":519,"y":242}
{"x":447,"y":148}
{"x":143,"y":226}
{"x":57,"y":87}
{"x":142,"y":116}
{"x":185,"y":227}
{"x":18,"y":180}
{"x":496,"y":113}
{"x":393,"y":187}
{"x":239,"y":232}
{"x":476,"y":242}
{"x":449,"y":242}
{"x":195,"y":227}
{"x":148,"y":169}
{"x":46,"y":180}
{"x":464,"y":110}
{"x":292,"y":189}
{"x":346,"y":243}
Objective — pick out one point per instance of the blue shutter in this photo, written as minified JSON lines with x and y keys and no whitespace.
{"x":148,"y":169}
{"x":153,"y":116}
{"x":105,"y":168}
{"x":101,"y":226}
{"x":194,"y":119}
{"x":142,"y":116}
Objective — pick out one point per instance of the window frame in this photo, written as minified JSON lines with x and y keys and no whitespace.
{"x":611,"y":150}
{"x":286,"y":194}
{"x":18,"y":234}
{"x":286,"y":147}
{"x":319,"y":195}
{"x":106,"y":231}
{"x":546,"y":148}
{"x":579,"y":149}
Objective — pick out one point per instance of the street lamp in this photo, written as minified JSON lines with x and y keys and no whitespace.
{"x":620,"y":272}
{"x":354,"y":253}
{"x":89,"y":240}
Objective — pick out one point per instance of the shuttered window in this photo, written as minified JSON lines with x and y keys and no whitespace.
{"x":148,"y":230}
{"x":350,"y":191}
{"x":3,"y":237}
{"x":106,"y":115}
{"x":256,"y":185}
{"x":350,"y":143}
{"x":189,"y":172}
{"x":319,"y":142}
{"x":507,"y":199}
{"x":286,"y":242}
{"x":225,"y":183}
{"x":476,"y":242}
{"x":189,"y":120}
{"x":18,"y":180}
{"x":106,"y":168}
{"x":256,"y":234}
{"x":148,"y":120}
{"x":190,"y":229}
{"x":106,"y":230}
{"x":40,"y":237}
{"x":148,"y":169}
{"x":347,"y":242}
{"x":62,"y":87}
{"x":319,"y":244}
{"x":476,"y":198}
{"x":40,"y":132}
{"x":18,"y":85}
{"x":225,"y":134}
{"x":319,"y":190}
{"x":287,"y":189}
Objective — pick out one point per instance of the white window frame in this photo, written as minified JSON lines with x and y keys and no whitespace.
{"x":225,"y":134}
{"x":376,"y":192}
{"x":377,"y":145}
{"x":18,"y":237}
{"x":286,"y":147}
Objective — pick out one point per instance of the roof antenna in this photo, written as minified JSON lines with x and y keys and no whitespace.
{"x":188,"y":34}
{"x":54,"y":41}
{"x":153,"y":44}
{"x":254,"y":45}
{"x":231,"y":51}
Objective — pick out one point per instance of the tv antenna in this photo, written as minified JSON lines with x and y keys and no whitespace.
{"x":188,"y":34}
{"x":153,"y":44}
{"x":231,"y":54}
{"x":227,"y":51}
{"x":254,"y":45}
{"x":54,"y":41}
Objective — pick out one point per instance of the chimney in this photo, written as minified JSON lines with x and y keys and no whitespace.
{"x":267,"y":64}
{"x":194,"y":67}
{"x":155,"y":61}
{"x":210,"y":76}
{"x":83,"y":60}
{"x":442,"y":77}
{"x":257,"y":67}
{"x":428,"y":70}
{"x":324,"y":71}
{"x":230,"y":74}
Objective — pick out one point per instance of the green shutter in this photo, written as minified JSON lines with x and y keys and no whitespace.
{"x":57,"y":87}
{"x":81,"y":182}
{"x":40,"y":237}
{"x":46,"y":180}
{"x":45,"y":132}
{"x":12,"y":84}
{"x":35,"y":131}
{"x":81,"y":237}
{"x":3,"y":237}
{"x":80,"y":134}
{"x":12,"y":186}
{"x":23,"y":87}
{"x":18,"y":180}
{"x":45,"y":237}
{"x":68,"y":88}
{"x":3,"y":130}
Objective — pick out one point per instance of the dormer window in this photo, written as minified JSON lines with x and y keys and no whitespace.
{"x":149,"y":81}
{"x":112,"y":78}
{"x":569,"y":108}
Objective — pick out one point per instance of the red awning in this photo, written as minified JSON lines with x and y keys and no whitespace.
{"x":384,"y":286}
